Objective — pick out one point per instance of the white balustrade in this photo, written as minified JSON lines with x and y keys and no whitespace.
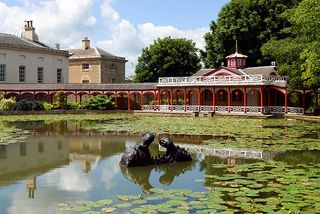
{"x":237,"y":109}
{"x":277,"y":109}
{"x":177,"y":108}
{"x":221,"y":109}
{"x":206,"y":108}
{"x":220,"y":80}
{"x":295,"y":110}
{"x":253,"y":109}
{"x":192,"y":108}
{"x":148,"y":107}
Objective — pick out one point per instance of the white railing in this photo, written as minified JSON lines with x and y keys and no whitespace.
{"x":219,"y":80}
{"x":225,"y":109}
{"x":149,"y":108}
{"x":221,"y":109}
{"x":277,"y":109}
{"x":177,"y":108}
{"x":192,"y":108}
{"x":237,"y":109}
{"x":295,"y":110}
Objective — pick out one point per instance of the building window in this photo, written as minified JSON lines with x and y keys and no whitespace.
{"x":85,"y":81}
{"x":85,"y":66}
{"x":113,"y":80}
{"x":59,"y":75}
{"x":22,"y":73}
{"x":23,"y":149}
{"x":2,"y":73}
{"x":233,"y":62}
{"x":40,"y":147}
{"x":239,"y":62}
{"x":40,"y":75}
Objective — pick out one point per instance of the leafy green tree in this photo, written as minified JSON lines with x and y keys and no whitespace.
{"x":252,"y":23}
{"x":99,"y":102}
{"x":298,"y":55}
{"x":167,"y":57}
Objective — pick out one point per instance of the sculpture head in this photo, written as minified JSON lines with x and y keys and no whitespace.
{"x":147,"y":138}
{"x":166,"y":143}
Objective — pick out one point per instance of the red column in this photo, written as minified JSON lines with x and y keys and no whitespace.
{"x":141,"y":100}
{"x":261,"y":98}
{"x":129,"y":101}
{"x":286,"y":102}
{"x":245,"y":99}
{"x":116,"y":100}
{"x":213,"y":98}
{"x":269,"y":98}
{"x":229,"y":99}
{"x":199,"y":98}
{"x":185,"y":98}
{"x":155,"y":100}
{"x":159,"y":98}
{"x":304,"y":100}
{"x":171,"y":98}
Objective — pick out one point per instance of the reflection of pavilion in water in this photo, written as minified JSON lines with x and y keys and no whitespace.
{"x":232,"y":154}
{"x":40,"y":154}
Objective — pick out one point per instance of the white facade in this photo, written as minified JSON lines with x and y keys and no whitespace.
{"x":33,"y":62}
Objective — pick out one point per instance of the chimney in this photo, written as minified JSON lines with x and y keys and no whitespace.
{"x":85,"y":43}
{"x":57,"y":46}
{"x":29,"y":31}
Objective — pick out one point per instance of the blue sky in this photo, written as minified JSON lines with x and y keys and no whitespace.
{"x":122,"y":27}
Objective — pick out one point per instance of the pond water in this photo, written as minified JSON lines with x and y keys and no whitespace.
{"x":67,"y":166}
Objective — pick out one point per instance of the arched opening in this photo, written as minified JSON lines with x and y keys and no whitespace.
{"x":44,"y":97}
{"x":122,"y":101}
{"x":295,"y":99}
{"x":206,"y":97}
{"x":148,"y":98}
{"x":13,"y":95}
{"x":135,"y":101}
{"x":26,"y":96}
{"x":192,"y":97}
{"x":253,"y":97}
{"x":277,"y":98}
{"x":222,"y":97}
{"x":165,"y":97}
{"x":237,"y":98}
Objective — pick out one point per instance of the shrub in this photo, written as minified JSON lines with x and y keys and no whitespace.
{"x":6,"y":104}
{"x":60,"y":99}
{"x":28,"y":105}
{"x":74,"y":106}
{"x":48,"y":106}
{"x":99,"y":103}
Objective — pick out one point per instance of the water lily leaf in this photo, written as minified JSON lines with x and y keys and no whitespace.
{"x":103,"y":202}
{"x":108,"y":209}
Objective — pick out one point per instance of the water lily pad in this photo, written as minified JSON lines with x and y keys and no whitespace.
{"x":108,"y":209}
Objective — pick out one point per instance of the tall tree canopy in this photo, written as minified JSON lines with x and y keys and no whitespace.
{"x":252,"y":23}
{"x":298,"y":55}
{"x":167,"y":57}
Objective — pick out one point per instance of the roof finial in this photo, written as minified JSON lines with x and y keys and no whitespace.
{"x":236,"y":46}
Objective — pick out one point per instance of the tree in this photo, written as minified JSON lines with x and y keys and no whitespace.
{"x":252,"y":23}
{"x":167,"y":57}
{"x":298,"y":55}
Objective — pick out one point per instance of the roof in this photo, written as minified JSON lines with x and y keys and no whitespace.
{"x":261,"y":70}
{"x":209,"y":71}
{"x":12,"y":41}
{"x":92,"y":53}
{"x":237,"y":55}
{"x":203,"y":72}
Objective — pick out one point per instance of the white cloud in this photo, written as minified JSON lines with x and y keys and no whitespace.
{"x":128,"y":40}
{"x":67,"y":22}
{"x":71,"y":178}
{"x":55,"y":20}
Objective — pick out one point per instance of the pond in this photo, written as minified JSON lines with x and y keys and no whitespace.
{"x":239,"y":165}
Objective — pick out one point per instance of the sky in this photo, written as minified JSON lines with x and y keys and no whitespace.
{"x":121,"y":27}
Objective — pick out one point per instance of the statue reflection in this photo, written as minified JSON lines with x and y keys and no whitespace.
{"x":169,"y":171}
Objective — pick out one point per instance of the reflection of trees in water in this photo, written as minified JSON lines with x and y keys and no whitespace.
{"x":299,"y":157}
{"x":141,"y":175}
